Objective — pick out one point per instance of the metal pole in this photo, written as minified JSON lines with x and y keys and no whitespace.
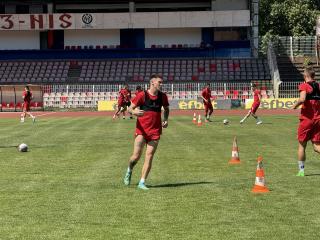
{"x":171,"y":89}
{"x":316,"y":49}
{"x":291,"y":49}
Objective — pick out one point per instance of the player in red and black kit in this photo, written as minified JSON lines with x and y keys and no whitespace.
{"x":206,"y":96}
{"x":138,"y":90}
{"x":27,"y":97}
{"x":255,"y":105}
{"x":147,"y":107}
{"x":309,"y":126}
{"x":123,"y":102}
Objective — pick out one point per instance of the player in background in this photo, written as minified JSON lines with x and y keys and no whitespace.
{"x":206,"y":96}
{"x":255,"y":105}
{"x":127,"y":101}
{"x":27,"y":97}
{"x":309,"y":126}
{"x":147,"y":107}
{"x":123,"y":101}
{"x":138,"y":90}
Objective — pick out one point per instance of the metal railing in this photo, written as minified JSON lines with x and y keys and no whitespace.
{"x":302,"y":46}
{"x":289,"y":90}
{"x":73,"y":96}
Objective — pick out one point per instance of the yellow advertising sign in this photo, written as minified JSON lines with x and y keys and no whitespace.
{"x":193,"y":104}
{"x":107,"y":105}
{"x":282,"y":103}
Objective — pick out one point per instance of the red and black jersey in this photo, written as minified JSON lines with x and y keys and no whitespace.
{"x":150,"y":122}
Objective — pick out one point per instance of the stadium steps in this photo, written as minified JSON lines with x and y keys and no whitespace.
{"x":74,"y":74}
{"x":293,"y":71}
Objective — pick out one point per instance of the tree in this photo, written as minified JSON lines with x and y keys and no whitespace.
{"x":288,"y":17}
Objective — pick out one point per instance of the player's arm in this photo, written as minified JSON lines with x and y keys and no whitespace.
{"x":134,"y":110}
{"x":259,"y":96}
{"x":203,"y":98}
{"x":301,"y":99}
{"x":165,"y":116}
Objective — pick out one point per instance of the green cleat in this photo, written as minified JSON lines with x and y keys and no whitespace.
{"x":127,"y":178}
{"x":300,"y":174}
{"x":143,"y":186}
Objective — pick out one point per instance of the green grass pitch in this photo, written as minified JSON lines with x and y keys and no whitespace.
{"x":69,"y":185}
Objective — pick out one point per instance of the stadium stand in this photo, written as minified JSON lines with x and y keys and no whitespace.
{"x":136,"y":70}
{"x":80,"y":53}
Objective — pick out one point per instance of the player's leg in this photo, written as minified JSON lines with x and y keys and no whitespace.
{"x":256,"y":118}
{"x":245,"y":117}
{"x":123,"y":110}
{"x":315,"y":136}
{"x":30,"y":115}
{"x":316,"y":147}
{"x":206,"y":109}
{"x":253,"y":110}
{"x":305,"y":133}
{"x":116,"y":114}
{"x":150,"y":151}
{"x":130,"y":114}
{"x":301,"y":157}
{"x":139,"y":143}
{"x":210,"y":111}
{"x":23,"y":115}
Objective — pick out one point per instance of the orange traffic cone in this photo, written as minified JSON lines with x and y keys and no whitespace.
{"x":199,"y":121}
{"x":259,"y":186}
{"x":194,"y":120}
{"x":235,"y":159}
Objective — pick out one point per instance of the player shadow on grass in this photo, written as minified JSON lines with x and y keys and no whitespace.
{"x":9,"y":146}
{"x":178,"y":184}
{"x":312,"y":174}
{"x":33,"y":146}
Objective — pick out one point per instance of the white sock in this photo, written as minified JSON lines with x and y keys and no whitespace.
{"x":129,"y":170}
{"x":22,"y":119}
{"x":301,"y":165}
{"x":142,"y":180}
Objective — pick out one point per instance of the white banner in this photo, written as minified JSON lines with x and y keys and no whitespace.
{"x":124,"y":20}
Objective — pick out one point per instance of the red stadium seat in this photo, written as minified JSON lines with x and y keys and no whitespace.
{"x":19,"y":105}
{"x":194,"y":78}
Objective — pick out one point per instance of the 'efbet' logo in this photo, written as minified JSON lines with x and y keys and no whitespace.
{"x":87,"y":19}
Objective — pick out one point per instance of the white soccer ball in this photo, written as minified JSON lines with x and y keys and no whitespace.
{"x":23,"y":147}
{"x":225,"y":121}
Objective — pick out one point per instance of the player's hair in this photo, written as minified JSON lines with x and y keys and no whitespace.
{"x":308,"y":71}
{"x":138,"y":88}
{"x":155,"y":76}
{"x":27,"y":87}
{"x":254,"y":85}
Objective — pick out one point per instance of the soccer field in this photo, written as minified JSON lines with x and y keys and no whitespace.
{"x":69,"y":185}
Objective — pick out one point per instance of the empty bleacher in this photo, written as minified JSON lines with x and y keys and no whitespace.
{"x":291,"y":71}
{"x":19,"y":72}
{"x":137,"y":70}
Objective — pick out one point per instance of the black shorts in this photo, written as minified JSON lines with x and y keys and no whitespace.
{"x":128,"y":104}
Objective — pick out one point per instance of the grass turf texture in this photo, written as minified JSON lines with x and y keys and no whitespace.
{"x":69,"y":185}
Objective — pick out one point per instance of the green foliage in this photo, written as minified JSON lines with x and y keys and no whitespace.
{"x":307,"y":62}
{"x":288,"y":17}
{"x":265,"y":41}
